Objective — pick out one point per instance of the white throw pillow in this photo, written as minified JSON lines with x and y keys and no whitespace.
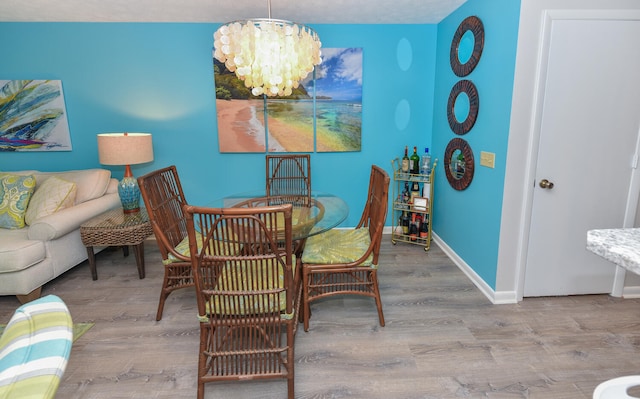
{"x":51,"y":196}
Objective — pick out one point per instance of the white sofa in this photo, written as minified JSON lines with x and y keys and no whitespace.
{"x":49,"y":244}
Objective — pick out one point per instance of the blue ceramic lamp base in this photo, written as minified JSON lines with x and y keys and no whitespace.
{"x":129,"y":192}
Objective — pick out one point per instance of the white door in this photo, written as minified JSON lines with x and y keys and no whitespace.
{"x":587,"y":142}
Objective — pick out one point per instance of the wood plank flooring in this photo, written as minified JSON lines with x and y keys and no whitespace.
{"x":443,"y":338}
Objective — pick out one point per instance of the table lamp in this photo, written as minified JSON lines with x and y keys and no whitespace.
{"x":126,"y":149}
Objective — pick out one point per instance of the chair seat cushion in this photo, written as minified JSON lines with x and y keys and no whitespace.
{"x":183,"y":249}
{"x":251,"y":281}
{"x":338,"y":246}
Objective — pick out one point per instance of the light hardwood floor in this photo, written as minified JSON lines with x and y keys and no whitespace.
{"x":443,"y":338}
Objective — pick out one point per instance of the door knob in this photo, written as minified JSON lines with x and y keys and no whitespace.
{"x":544,"y":183}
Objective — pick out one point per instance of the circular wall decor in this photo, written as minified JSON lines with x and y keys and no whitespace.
{"x":458,"y":164}
{"x":468,"y":88}
{"x":404,"y":54}
{"x":474,"y":26}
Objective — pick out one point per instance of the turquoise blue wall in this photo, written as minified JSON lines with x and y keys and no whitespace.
{"x":469,"y":221}
{"x":158,"y":78}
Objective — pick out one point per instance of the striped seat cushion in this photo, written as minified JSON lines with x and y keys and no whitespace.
{"x":183,"y":249}
{"x":34,"y":349}
{"x":249,"y":276}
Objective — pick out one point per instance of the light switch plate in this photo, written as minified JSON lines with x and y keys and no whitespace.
{"x":487,"y":159}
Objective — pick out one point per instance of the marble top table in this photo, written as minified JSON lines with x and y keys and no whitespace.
{"x":620,"y":246}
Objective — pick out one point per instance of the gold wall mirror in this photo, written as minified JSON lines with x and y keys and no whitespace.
{"x":466,"y":46}
{"x":459,"y":164}
{"x":464,"y":105}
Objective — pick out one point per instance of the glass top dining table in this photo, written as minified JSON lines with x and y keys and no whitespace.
{"x":325,"y":212}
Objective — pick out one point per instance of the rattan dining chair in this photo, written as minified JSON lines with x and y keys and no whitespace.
{"x":345,"y":262}
{"x":248,"y":292}
{"x":289,"y":177}
{"x":288,"y":181}
{"x":163,"y":197}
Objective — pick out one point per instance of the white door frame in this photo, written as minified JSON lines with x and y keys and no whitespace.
{"x":528,"y":96}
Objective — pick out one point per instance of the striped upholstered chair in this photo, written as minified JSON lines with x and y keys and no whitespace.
{"x":34,"y":349}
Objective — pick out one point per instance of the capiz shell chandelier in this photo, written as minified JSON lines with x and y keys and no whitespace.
{"x":271,"y":56}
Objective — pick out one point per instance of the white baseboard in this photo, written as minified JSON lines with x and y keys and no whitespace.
{"x":496,"y":298}
{"x":631,"y":292}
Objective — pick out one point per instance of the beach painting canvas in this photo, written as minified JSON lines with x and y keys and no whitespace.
{"x":324,"y":113}
{"x":33,"y":116}
{"x":333,"y":111}
{"x":241,"y":118}
{"x":290,"y":123}
{"x":338,"y":92}
{"x":240,"y":114}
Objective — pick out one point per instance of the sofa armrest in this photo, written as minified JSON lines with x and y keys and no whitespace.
{"x":69,"y":219}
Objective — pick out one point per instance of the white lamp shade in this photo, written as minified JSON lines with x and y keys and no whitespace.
{"x":124,"y":148}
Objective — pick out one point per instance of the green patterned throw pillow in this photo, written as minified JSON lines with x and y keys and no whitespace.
{"x":15,"y":192}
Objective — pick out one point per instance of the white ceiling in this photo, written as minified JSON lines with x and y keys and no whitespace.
{"x":302,"y":11}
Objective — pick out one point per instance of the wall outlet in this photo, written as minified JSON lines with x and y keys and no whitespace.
{"x":487,"y":159}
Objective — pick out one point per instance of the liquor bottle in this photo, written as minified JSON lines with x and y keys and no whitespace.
{"x":405,"y":222}
{"x":424,"y":230}
{"x":405,"y":161}
{"x":413,"y":228}
{"x":406,"y":195}
{"x":414,"y":162}
{"x":415,"y":191}
{"x":425,"y":167}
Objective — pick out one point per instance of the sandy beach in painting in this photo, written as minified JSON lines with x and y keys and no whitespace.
{"x":241,"y":129}
{"x":235,"y":130}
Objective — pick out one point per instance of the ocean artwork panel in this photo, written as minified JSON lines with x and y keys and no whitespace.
{"x":290,"y":125}
{"x":338,"y":94}
{"x":323,"y":114}
{"x":240,"y":126}
{"x":33,"y":116}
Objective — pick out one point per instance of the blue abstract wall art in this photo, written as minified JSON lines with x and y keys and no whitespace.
{"x":33,"y":116}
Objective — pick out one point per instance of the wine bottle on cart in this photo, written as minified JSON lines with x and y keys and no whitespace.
{"x":405,"y":161}
{"x":414,"y":162}
{"x":413,"y":228}
{"x":424,"y":229}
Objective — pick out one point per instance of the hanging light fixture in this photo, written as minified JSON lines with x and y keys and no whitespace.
{"x":271,"y":56}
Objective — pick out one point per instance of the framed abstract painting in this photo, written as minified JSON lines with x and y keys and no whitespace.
{"x":33,"y":116}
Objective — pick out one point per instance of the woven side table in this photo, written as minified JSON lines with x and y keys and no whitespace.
{"x":116,"y":228}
